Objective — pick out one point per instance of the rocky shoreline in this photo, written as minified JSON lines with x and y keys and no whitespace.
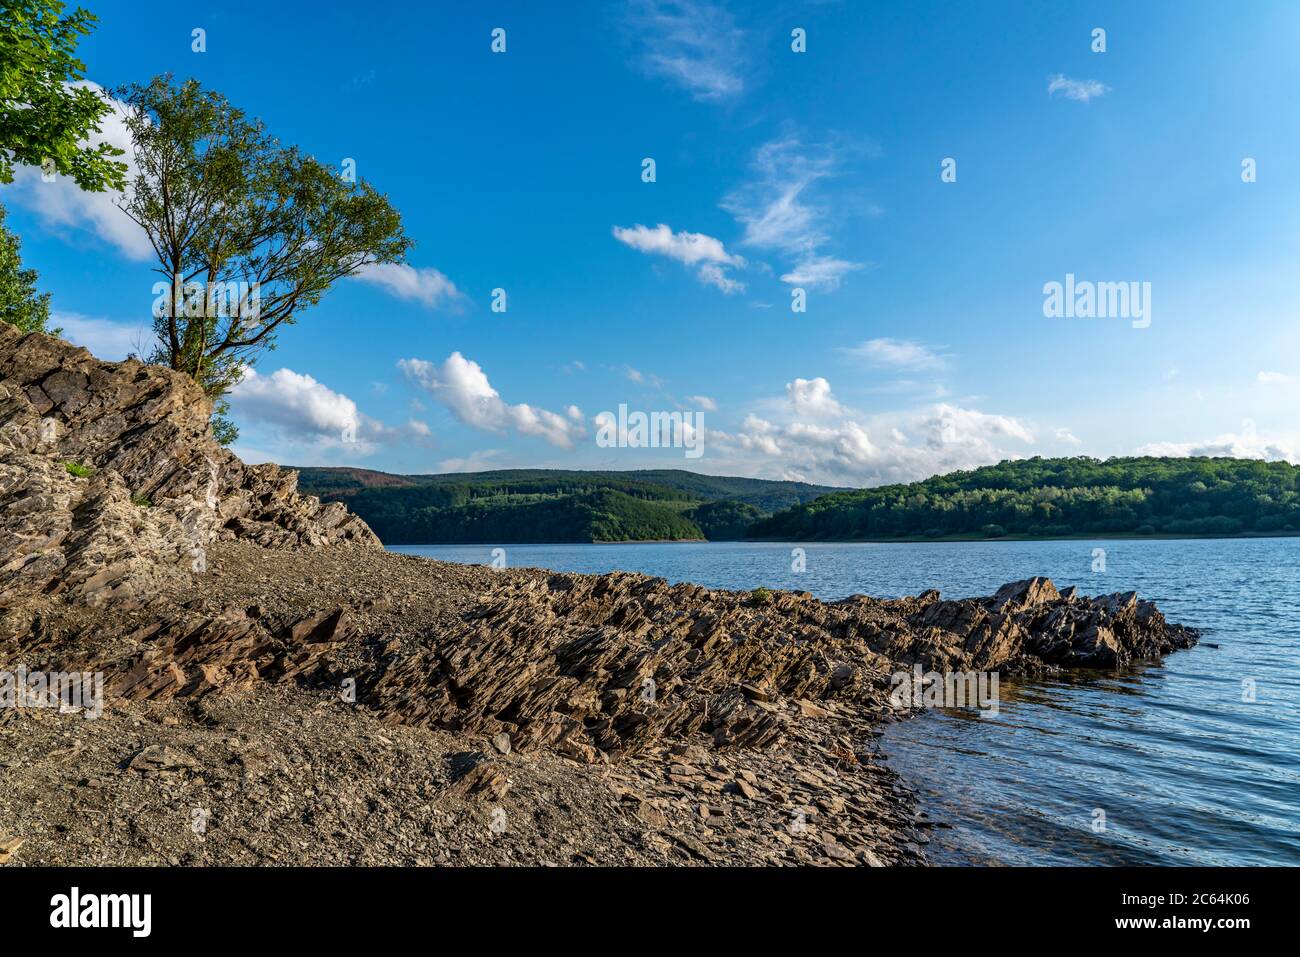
{"x":279,"y":690}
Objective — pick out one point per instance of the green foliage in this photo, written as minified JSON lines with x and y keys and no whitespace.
{"x":539,"y":505}
{"x":227,"y":208}
{"x":1061,"y":497}
{"x":761,"y":596}
{"x":223,"y":429}
{"x":42,"y":117}
{"x":20,"y":303}
{"x":79,"y":470}
{"x":727,"y":520}
{"x":142,"y":501}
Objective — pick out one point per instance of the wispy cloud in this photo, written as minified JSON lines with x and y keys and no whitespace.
{"x":1081,"y":90}
{"x":462,"y":386}
{"x":705,"y":253}
{"x":897,"y":354}
{"x":104,"y":338}
{"x":425,"y":285}
{"x":778,"y":211}
{"x":694,"y":44}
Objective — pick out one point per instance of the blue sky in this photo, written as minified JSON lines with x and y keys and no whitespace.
{"x":924,"y":346}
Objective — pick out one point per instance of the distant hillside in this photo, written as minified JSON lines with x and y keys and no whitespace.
{"x":1058,"y":498}
{"x":553,"y":505}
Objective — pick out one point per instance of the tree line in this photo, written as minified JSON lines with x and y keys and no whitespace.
{"x":1060,"y":497}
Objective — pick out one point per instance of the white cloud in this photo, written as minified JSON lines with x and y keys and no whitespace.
{"x":105,"y":339}
{"x":310,"y":418}
{"x":425,"y":285}
{"x":823,"y":272}
{"x":296,"y":402}
{"x":462,"y":386}
{"x":817,"y":439}
{"x":694,"y":44}
{"x":1275,"y":378}
{"x":811,"y":398}
{"x":896,"y":354}
{"x":1246,"y":444}
{"x":63,"y":205}
{"x":1080,"y":90}
{"x":778,"y":212}
{"x":690,"y":249}
{"x":1065,"y":437}
{"x":704,"y":402}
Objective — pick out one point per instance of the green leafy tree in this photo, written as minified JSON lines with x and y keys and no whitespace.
{"x":43,"y":117}
{"x":246,"y":233}
{"x":20,"y":303}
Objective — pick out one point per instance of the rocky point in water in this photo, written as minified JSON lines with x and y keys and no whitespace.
{"x":277,"y":688}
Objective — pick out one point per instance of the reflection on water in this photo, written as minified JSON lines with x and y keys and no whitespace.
{"x":1184,"y":769}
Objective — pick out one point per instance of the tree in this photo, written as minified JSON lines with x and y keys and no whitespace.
{"x":43,"y":117}
{"x":246,"y":233}
{"x":20,"y":303}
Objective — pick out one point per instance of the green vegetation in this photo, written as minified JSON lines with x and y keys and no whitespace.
{"x":44,"y":119}
{"x":761,"y":596}
{"x":79,"y":470}
{"x":249,"y":232}
{"x":141,"y":501}
{"x":540,"y":505}
{"x":1060,"y":497}
{"x":20,"y":303}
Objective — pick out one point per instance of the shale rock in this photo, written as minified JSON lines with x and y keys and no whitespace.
{"x":110,"y":481}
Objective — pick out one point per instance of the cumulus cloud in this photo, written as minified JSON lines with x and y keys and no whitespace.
{"x":896,"y":354}
{"x":63,"y":206}
{"x":811,"y":398}
{"x":1080,"y":90}
{"x":1245,"y":444}
{"x":306,"y":414}
{"x":704,"y":402}
{"x":778,"y":212}
{"x":694,"y":44}
{"x":462,"y":386}
{"x":813,"y":437}
{"x":705,"y":253}
{"x":425,"y":285}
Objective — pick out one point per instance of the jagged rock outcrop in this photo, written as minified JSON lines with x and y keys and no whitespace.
{"x":610,"y":664}
{"x":111,"y":483}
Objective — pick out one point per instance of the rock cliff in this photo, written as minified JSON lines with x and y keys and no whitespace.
{"x":111,"y":483}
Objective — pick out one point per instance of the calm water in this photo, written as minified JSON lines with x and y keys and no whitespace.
{"x":1186,"y":771}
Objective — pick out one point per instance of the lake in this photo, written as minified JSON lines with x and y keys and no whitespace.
{"x":1195,"y":760}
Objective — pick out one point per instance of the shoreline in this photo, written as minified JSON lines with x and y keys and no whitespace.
{"x":747,"y":752}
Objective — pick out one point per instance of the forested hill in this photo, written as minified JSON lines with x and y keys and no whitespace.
{"x":1060,"y":497}
{"x":551,"y":505}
